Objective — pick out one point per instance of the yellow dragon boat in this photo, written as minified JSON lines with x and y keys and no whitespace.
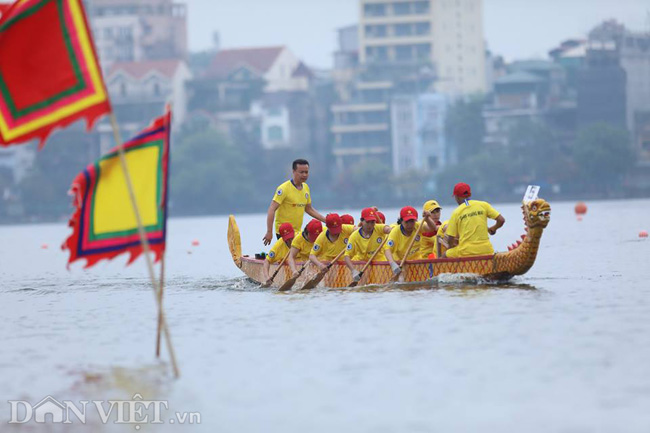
{"x":500,"y":266}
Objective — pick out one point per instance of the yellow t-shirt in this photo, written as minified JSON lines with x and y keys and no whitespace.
{"x":427,"y":244}
{"x":278,"y":252}
{"x":468,"y":222}
{"x":360,"y":248}
{"x":326,"y":250}
{"x":303,"y":246}
{"x":441,"y":235}
{"x":292,"y":203}
{"x":398,"y":243}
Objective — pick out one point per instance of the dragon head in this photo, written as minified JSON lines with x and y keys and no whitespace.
{"x":537,"y":213}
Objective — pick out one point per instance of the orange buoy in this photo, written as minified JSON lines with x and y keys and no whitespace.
{"x":643,"y":234}
{"x":581,"y":208}
{"x":195,"y":243}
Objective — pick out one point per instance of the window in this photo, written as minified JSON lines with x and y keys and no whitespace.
{"x":274,"y":112}
{"x":402,"y":8}
{"x":423,"y":51}
{"x":122,"y":89}
{"x":378,"y":31}
{"x":421,"y":7}
{"x":374,"y":10}
{"x":403,"y":29}
{"x":422,"y":28}
{"x":403,"y":52}
{"x":275,"y":133}
{"x":433,"y":162}
{"x":156,"y":89}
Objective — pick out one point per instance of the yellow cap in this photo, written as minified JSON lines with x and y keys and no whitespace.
{"x":430,"y":206}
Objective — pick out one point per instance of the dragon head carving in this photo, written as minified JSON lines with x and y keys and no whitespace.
{"x":537,"y":213}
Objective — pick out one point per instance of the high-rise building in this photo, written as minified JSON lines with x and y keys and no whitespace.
{"x":136,"y":30}
{"x":447,"y":34}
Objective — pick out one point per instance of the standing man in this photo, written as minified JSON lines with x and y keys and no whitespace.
{"x":467,"y":230}
{"x":290,"y":202}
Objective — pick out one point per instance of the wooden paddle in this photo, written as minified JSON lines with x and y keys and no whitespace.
{"x":270,"y":280}
{"x":355,"y":283}
{"x":291,"y":281}
{"x":321,"y":274}
{"x":408,"y":251}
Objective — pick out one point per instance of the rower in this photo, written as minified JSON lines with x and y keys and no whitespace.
{"x":347,"y":219}
{"x":400,"y":238}
{"x":331,"y":241}
{"x":467,"y":231}
{"x":280,"y":249}
{"x":365,"y":241}
{"x":428,"y":241}
{"x":302,"y":244}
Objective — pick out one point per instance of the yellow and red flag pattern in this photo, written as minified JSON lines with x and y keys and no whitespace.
{"x":104,"y":224}
{"x":49,"y":74}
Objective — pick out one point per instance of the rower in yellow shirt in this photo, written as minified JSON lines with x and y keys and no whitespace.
{"x":279,"y":250}
{"x":365,"y":241}
{"x":331,"y":241}
{"x":303,"y":243}
{"x":467,"y":231}
{"x":400,"y":238}
{"x":290,"y":202}
{"x":428,"y":241}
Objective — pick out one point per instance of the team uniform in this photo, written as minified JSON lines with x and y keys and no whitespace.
{"x":398,"y":243}
{"x":468,"y":222}
{"x":278,"y":252}
{"x":360,"y":248}
{"x":303,"y":246}
{"x":428,"y":243}
{"x":292,"y":203}
{"x":326,"y":250}
{"x":441,"y":235}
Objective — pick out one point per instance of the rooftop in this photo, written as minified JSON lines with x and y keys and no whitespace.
{"x":259,"y":58}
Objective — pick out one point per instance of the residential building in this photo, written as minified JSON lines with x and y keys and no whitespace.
{"x":447,"y":34}
{"x":140,"y":90}
{"x":418,"y":133}
{"x":137,"y":30}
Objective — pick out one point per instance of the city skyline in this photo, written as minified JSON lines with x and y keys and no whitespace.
{"x":542,"y":23}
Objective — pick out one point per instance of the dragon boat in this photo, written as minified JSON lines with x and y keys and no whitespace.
{"x":500,"y":266}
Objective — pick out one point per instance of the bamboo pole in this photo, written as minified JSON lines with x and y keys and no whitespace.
{"x":160,"y":302}
{"x":143,"y":239}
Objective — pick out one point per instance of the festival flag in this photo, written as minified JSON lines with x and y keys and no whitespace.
{"x":49,"y":74}
{"x":104,"y":224}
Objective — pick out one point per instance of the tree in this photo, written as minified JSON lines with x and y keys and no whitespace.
{"x":603,"y":155}
{"x":209,"y":175}
{"x":464,"y":126}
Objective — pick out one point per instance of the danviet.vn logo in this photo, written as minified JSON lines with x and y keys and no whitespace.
{"x":136,"y":411}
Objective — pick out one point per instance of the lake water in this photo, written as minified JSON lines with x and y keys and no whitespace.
{"x":565,"y":348}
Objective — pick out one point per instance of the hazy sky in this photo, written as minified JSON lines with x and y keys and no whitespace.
{"x":513,"y":28}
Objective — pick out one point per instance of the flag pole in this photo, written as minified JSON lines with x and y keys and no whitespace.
{"x":143,"y":240}
{"x":160,"y":302}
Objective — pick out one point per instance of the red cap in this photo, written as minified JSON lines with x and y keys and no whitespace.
{"x":462,"y":190}
{"x":381,"y":217}
{"x":347,"y":219}
{"x":314,"y":228}
{"x":368,"y":214}
{"x":408,"y":213}
{"x":286,"y":231}
{"x":334,"y":223}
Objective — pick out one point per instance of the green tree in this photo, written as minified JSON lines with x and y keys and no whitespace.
{"x":603,"y":155}
{"x":536,"y":154}
{"x":209,"y":175}
{"x":464,"y":126}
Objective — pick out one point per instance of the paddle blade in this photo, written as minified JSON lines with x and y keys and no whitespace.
{"x":314,"y":281}
{"x":353,"y":284}
{"x":288,"y":284}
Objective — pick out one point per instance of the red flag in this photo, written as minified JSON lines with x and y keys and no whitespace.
{"x":49,"y":74}
{"x":103,"y":224}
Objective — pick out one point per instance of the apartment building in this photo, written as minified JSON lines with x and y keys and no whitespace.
{"x":447,"y":34}
{"x":137,"y":30}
